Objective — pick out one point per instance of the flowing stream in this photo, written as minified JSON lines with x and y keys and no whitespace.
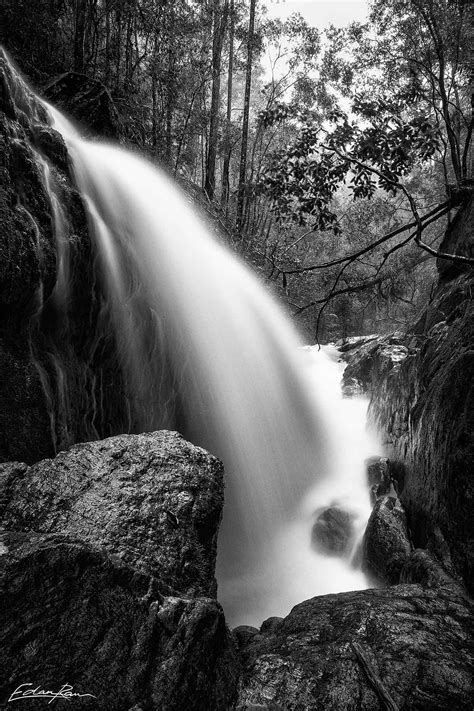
{"x":207,"y":351}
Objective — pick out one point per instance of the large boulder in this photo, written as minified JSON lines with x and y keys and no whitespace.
{"x":154,"y":500}
{"x":333,"y":531}
{"x":386,"y":544}
{"x":74,"y":617}
{"x":406,"y":646}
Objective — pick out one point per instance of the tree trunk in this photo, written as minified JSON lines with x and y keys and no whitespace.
{"x":154,"y":107}
{"x":245,"y":120}
{"x":227,"y":143}
{"x":107,"y":43}
{"x":128,"y":53}
{"x":79,"y":31}
{"x":170,"y":93}
{"x":118,"y":58}
{"x":220,"y":22}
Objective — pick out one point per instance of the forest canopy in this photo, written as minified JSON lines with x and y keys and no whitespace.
{"x":334,"y":158}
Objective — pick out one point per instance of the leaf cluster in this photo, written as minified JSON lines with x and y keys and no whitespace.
{"x":373,"y":150}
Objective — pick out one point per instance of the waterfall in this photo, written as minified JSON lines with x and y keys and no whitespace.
{"x":206,"y":350}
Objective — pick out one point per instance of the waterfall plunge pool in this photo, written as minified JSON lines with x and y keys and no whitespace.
{"x":292,"y":569}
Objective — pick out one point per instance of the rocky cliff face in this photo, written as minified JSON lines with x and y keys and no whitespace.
{"x":60,"y":377}
{"x":424,"y":405}
{"x":421,"y":387}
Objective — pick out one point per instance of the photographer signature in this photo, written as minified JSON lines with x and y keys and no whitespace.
{"x":22,"y":693}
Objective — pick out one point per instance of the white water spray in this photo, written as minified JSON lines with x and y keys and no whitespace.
{"x":241,"y":385}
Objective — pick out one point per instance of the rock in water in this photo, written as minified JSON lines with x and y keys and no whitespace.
{"x":333,"y":531}
{"x":378,"y":477}
{"x":349,"y":651}
{"x":386,"y":541}
{"x":73,"y":615}
{"x":154,"y":500}
{"x":368,"y":358}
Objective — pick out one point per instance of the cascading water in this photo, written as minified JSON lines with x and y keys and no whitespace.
{"x":206,"y":350}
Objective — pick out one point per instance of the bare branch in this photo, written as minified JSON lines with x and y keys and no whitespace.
{"x":443,"y":208}
{"x":347,"y":290}
{"x":293,"y":244}
{"x":443,"y":255}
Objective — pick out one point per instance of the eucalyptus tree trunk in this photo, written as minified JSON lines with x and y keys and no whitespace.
{"x":245,"y":120}
{"x":170,"y":86}
{"x":227,"y":144}
{"x":79,"y":32}
{"x":219,"y":28}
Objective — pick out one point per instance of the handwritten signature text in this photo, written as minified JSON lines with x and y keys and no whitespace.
{"x":26,"y":691}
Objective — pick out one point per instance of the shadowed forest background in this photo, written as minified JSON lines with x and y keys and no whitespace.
{"x":331,"y":159}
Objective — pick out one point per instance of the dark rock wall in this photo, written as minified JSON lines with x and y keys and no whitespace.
{"x":421,"y":388}
{"x":60,"y":376}
{"x":424,"y":406}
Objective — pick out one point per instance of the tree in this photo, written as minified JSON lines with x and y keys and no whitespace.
{"x":245,"y":119}
{"x":419,"y":49}
{"x":219,"y":27}
{"x":228,"y":125}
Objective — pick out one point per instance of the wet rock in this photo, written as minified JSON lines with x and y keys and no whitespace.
{"x":333,"y":531}
{"x":414,"y":642}
{"x":350,"y":343}
{"x":51,"y":145}
{"x":154,"y":500}
{"x":386,"y":540}
{"x":425,"y":412}
{"x":421,"y":568}
{"x":72,"y":615}
{"x":271,"y":624}
{"x":365,"y":362}
{"x":352,"y":387}
{"x":243,"y":633}
{"x":378,"y":477}
{"x":60,"y":375}
{"x":25,"y":427}
{"x":88,"y":101}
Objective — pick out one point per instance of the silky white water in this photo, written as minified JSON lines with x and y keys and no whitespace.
{"x":203,"y":344}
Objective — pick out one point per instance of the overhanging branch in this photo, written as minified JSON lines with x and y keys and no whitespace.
{"x":431,"y":216}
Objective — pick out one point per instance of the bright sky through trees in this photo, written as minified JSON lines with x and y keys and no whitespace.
{"x":320,"y":13}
